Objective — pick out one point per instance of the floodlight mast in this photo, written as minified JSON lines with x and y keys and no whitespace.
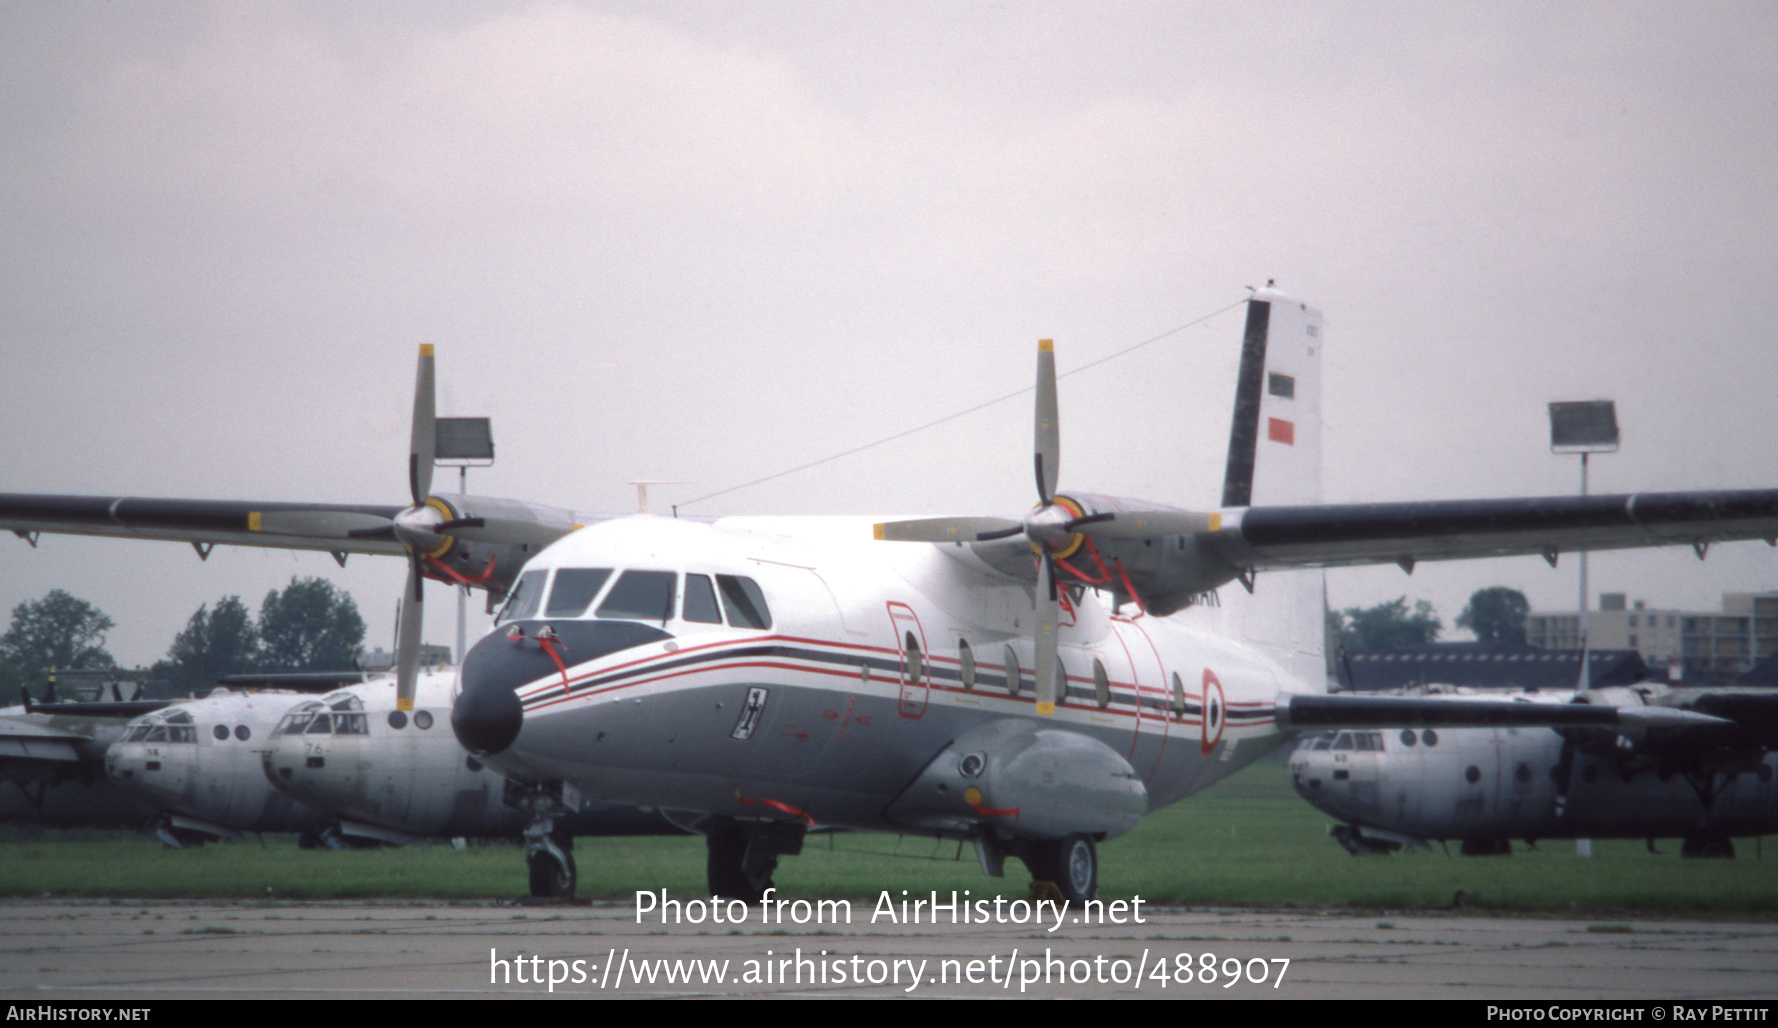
{"x":1585,"y":427}
{"x":463,"y":443}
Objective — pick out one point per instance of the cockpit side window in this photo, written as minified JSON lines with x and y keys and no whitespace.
{"x":1344,"y":742}
{"x":136,"y":734}
{"x":745,"y":604}
{"x":322,"y":725}
{"x":526,"y":594}
{"x":350,"y":724}
{"x":573,"y":590}
{"x":641,"y":596}
{"x":1324,"y":740}
{"x":700,"y":601}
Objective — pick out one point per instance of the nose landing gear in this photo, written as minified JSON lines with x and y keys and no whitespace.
{"x":549,"y":851}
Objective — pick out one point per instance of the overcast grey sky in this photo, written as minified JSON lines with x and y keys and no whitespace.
{"x":709,"y":241}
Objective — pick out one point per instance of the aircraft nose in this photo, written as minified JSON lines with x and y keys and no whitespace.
{"x":488,"y":715}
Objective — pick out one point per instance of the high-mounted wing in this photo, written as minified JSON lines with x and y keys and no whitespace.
{"x":1356,"y":710}
{"x":285,"y":526}
{"x":1404,"y":533}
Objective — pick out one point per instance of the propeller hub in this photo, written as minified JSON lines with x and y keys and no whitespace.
{"x":1047,"y":527}
{"x":417,"y":527}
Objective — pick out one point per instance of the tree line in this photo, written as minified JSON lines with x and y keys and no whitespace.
{"x":1496,"y":615}
{"x":307,"y":626}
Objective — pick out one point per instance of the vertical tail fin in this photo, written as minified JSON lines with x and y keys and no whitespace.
{"x":1275,"y":458}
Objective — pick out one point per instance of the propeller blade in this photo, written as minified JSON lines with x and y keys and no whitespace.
{"x":1145,"y":524}
{"x":1049,"y":431}
{"x":380,"y":532}
{"x":1564,"y":776}
{"x":407,"y":642}
{"x":945,"y":530}
{"x":326,"y":524}
{"x":1048,"y":615}
{"x":424,"y":442}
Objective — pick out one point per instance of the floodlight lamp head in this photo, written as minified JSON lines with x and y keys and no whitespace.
{"x":1585,"y":426}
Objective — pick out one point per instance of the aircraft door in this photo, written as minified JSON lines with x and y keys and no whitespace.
{"x":916,"y":664}
{"x":1148,"y":676}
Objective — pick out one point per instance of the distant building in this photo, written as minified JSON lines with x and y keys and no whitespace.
{"x":1487,"y":666}
{"x":1704,"y":646}
{"x":430,"y":656}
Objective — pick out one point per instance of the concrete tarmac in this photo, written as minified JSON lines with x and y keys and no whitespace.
{"x":234,"y":950}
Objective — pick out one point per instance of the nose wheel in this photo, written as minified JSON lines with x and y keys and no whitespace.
{"x":1071,"y":863}
{"x":551,"y":866}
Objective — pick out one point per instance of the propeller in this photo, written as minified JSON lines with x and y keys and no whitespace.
{"x":1053,"y":528}
{"x":418,"y":528}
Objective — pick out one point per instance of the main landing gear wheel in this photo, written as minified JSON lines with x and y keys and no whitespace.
{"x":1708,"y":844}
{"x":1072,"y":864}
{"x":727,"y":869}
{"x":552,"y":869}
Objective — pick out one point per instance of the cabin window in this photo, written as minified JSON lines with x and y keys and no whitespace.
{"x":1408,"y":738}
{"x":522,"y":603}
{"x":422,"y":719}
{"x":574,"y":588}
{"x":243,"y":733}
{"x":916,"y":667}
{"x":1472,"y":774}
{"x":1101,"y":686}
{"x":1013,"y":674}
{"x":966,"y":664}
{"x":744,"y":603}
{"x":1429,"y":737}
{"x":220,"y":732}
{"x":1283,"y":386}
{"x":641,"y":596}
{"x":700,"y":601}
{"x":397,"y":720}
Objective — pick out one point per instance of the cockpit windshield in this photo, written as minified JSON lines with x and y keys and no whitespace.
{"x":573,"y":590}
{"x":641,"y":596}
{"x":171,"y":726}
{"x":526,"y":594}
{"x":295,"y":722}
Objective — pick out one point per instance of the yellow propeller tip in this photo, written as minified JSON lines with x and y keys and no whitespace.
{"x":405,"y":706}
{"x":1046,"y":709}
{"x":1046,"y":346}
{"x":877,"y":532}
{"x":254,"y":520}
{"x":425,"y":349}
{"x":1216,"y":522}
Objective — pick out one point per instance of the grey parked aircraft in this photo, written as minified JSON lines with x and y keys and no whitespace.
{"x":957,"y":677}
{"x":1705,"y":783}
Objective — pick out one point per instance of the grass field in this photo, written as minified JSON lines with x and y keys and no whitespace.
{"x":1249,"y":842}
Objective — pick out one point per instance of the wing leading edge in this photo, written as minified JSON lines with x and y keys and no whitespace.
{"x":1331,"y":535}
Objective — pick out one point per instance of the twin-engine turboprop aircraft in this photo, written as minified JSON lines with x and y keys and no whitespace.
{"x":344,"y":769}
{"x":957,"y":677}
{"x":1704,"y":783}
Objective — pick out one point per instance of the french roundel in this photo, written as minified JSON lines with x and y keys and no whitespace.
{"x":1214,"y":713}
